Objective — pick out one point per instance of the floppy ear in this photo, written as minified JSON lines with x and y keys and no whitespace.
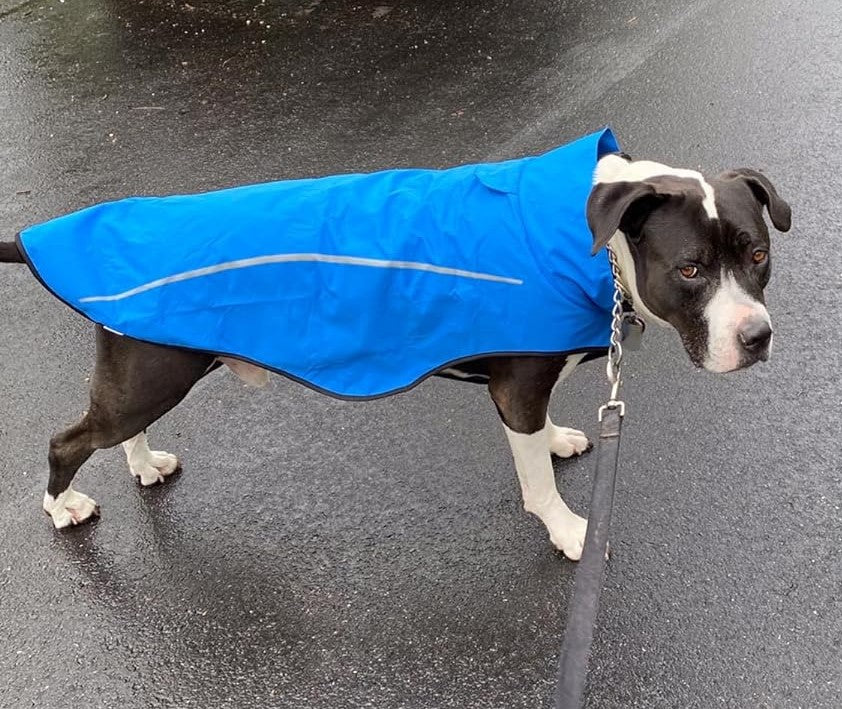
{"x":619,"y":205}
{"x":765,"y":193}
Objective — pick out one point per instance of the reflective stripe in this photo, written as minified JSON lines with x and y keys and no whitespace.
{"x":298,"y":258}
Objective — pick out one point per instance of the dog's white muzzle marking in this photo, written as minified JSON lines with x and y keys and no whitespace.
{"x":729,"y":311}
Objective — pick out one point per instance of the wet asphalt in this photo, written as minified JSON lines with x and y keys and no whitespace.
{"x":315,"y":553}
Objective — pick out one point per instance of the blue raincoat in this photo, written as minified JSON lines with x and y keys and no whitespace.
{"x":357,"y":285}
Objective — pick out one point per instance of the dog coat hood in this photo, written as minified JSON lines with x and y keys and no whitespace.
{"x":357,"y":285}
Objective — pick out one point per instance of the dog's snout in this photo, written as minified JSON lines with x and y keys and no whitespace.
{"x":755,"y":336}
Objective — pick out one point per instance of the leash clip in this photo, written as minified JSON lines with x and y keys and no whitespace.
{"x":612,"y":404}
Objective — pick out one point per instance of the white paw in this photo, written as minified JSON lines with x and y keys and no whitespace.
{"x":166,"y":463}
{"x":154,"y":468}
{"x":567,"y":442}
{"x":569,"y":537}
{"x":70,"y":508}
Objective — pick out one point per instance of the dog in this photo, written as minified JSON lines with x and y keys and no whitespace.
{"x":692,"y":252}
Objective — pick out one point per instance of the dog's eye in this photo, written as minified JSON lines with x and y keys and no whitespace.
{"x":689,"y":271}
{"x":759,"y":256}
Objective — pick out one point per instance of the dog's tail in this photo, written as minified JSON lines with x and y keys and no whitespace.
{"x":10,"y":253}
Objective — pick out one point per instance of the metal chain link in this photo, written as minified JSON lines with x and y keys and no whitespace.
{"x":615,"y":349}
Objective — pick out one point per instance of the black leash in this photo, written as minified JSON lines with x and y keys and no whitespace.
{"x":587,"y":584}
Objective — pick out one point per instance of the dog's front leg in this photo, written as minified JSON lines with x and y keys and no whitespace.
{"x":521,"y":390}
{"x":149,"y":466}
{"x":540,"y":496}
{"x":567,"y":442}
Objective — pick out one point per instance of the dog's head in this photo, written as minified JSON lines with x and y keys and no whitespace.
{"x":694,"y":253}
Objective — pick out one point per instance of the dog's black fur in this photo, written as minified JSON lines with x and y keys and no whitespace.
{"x":9,"y":253}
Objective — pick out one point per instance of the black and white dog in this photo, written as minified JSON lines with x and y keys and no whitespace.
{"x":692,"y":252}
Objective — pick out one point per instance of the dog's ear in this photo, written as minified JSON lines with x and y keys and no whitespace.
{"x":620,"y":205}
{"x":765,"y":193}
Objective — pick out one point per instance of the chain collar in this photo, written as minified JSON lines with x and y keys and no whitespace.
{"x":618,"y":281}
{"x":615,"y":349}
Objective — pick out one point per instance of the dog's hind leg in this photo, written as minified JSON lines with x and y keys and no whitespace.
{"x":68,"y":450}
{"x":521,"y":388}
{"x":134,"y":384}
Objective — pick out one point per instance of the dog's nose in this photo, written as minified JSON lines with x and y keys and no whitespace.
{"x":755,"y":336}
